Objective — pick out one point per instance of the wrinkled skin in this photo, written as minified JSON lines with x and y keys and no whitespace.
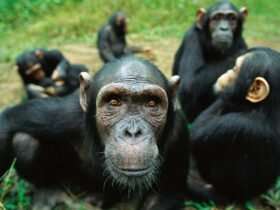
{"x":130,"y":118}
{"x":222,"y":25}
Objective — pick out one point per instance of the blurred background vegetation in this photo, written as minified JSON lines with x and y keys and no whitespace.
{"x":28,"y":23}
{"x":25,"y":24}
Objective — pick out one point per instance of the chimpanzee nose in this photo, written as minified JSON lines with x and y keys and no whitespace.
{"x":132,"y":130}
{"x":132,"y":133}
{"x":224,"y":26}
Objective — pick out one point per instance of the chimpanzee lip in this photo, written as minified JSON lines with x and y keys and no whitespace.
{"x":134,"y":172}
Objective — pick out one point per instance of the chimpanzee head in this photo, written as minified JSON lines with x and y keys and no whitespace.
{"x":129,"y":102}
{"x":119,"y":23}
{"x":29,"y":65}
{"x":253,"y":80}
{"x":221,"y":25}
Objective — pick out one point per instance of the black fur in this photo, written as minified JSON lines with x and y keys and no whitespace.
{"x":235,"y":143}
{"x":199,"y":64}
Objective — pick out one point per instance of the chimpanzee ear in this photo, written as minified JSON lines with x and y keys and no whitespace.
{"x":174,"y":84}
{"x":258,"y":91}
{"x":199,"y":17}
{"x":85,"y":83}
{"x":244,"y":13}
{"x":39,"y":54}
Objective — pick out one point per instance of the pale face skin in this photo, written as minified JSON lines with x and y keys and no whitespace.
{"x":230,"y":76}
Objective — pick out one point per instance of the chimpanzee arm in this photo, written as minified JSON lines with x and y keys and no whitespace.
{"x":187,"y":60}
{"x":133,"y":49}
{"x":46,"y":82}
{"x":144,"y":50}
{"x":35,"y":91}
{"x":61,"y":90}
{"x":178,"y":55}
{"x":61,"y":71}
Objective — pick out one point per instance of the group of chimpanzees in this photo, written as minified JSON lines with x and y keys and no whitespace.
{"x":124,"y":134}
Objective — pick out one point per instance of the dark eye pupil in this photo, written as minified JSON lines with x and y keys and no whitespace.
{"x":114,"y":102}
{"x":231,"y":17}
{"x":151,"y":103}
{"x":217,"y":17}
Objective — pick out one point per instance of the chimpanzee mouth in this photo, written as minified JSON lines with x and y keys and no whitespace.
{"x":134,"y":179}
{"x":222,"y":45}
{"x":134,"y":172}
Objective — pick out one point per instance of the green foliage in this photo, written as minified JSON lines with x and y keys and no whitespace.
{"x":249,"y":205}
{"x":25,"y":24}
{"x":14,"y":191}
{"x":200,"y":206}
{"x":272,"y":197}
{"x":14,"y":13}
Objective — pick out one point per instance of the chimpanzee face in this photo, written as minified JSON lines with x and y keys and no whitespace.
{"x":222,"y":25}
{"x":230,"y":76}
{"x":259,"y":89}
{"x":131,"y":114}
{"x":120,"y":21}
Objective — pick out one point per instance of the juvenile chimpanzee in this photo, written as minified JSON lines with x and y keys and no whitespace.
{"x":235,"y":142}
{"x":47,"y":73}
{"x":123,"y":137}
{"x":208,"y":49}
{"x":111,"y":40}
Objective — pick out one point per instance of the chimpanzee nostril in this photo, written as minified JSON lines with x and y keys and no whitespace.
{"x":138,"y":133}
{"x":127,"y":133}
{"x":132,"y":132}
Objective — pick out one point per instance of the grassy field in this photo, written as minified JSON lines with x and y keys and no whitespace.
{"x":71,"y":26}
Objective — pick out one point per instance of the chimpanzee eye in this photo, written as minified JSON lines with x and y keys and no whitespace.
{"x":115,"y":102}
{"x":152,"y":103}
{"x":217,"y":17}
{"x":231,"y":17}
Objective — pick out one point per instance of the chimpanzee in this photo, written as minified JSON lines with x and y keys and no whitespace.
{"x":208,"y":49}
{"x":235,"y":142}
{"x":111,"y":41}
{"x":123,"y":136}
{"x":47,"y":73}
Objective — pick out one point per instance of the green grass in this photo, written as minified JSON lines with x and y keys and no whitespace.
{"x":14,"y":192}
{"x":28,"y":23}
